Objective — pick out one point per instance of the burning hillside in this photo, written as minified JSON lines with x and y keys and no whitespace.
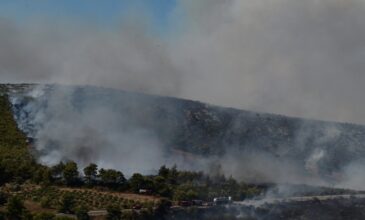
{"x":120,"y":129}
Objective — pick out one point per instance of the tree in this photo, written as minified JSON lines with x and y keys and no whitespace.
{"x":57,"y":170}
{"x":112,"y":178}
{"x":114,"y":212}
{"x":4,"y":175}
{"x":173,"y":175}
{"x":164,"y":172}
{"x":2,"y":216}
{"x":70,"y":173}
{"x":136,"y":182}
{"x":43,"y":175}
{"x":162,"y":207}
{"x":46,"y":202}
{"x":186,"y":194}
{"x":3,"y":198}
{"x":161,"y":187}
{"x":67,"y":204}
{"x":15,"y":209}
{"x":81,"y":213}
{"x":90,"y":173}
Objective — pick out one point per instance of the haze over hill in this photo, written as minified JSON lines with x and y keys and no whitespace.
{"x":131,"y":85}
{"x":298,"y":58}
{"x":132,"y":131}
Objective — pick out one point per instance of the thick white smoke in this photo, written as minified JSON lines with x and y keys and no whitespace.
{"x":301,"y":58}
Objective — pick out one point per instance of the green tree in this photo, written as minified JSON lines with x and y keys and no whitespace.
{"x":57,"y":170}
{"x":70,"y":173}
{"x":164,"y":172}
{"x":162,"y":207}
{"x":173,"y":175}
{"x":46,"y":202}
{"x":184,"y":193}
{"x":15,"y":209}
{"x":161,"y":187}
{"x":67,"y":204}
{"x":4,"y":175}
{"x":114,"y":212}
{"x":112,"y":178}
{"x":136,"y":182}
{"x":3,"y":198}
{"x":81,"y":213}
{"x":90,"y":173}
{"x":43,"y":176}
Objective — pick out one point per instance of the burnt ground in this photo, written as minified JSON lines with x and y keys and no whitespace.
{"x":352,"y":208}
{"x":340,"y":208}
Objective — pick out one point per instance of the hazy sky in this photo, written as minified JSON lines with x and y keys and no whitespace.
{"x":291,"y":57}
{"x":104,"y":13}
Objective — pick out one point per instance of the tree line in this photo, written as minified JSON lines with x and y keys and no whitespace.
{"x":170,"y":183}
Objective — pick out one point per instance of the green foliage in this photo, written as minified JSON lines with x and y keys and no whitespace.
{"x":136,"y":182}
{"x":57,"y":170}
{"x":185,"y":192}
{"x":130,"y":215}
{"x":70,"y":173}
{"x":163,"y":171}
{"x":15,"y":209}
{"x":46,"y":202}
{"x":3,"y":198}
{"x":43,"y":176}
{"x":112,"y":178}
{"x":163,"y":206}
{"x":44,"y":216}
{"x":10,"y":134}
{"x":67,"y":204}
{"x":114,"y":212}
{"x":90,"y":173}
{"x":16,"y":163}
{"x":81,"y":213}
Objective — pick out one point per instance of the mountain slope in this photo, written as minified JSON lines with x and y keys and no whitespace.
{"x":110,"y":117}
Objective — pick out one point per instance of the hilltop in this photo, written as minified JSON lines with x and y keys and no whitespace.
{"x":192,"y":129}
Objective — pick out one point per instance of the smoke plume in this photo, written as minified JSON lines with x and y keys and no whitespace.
{"x":298,"y":58}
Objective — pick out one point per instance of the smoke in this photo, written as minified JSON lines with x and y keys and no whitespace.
{"x":86,"y":132}
{"x":298,"y":58}
{"x":139,"y":133}
{"x":263,"y":167}
{"x":95,"y":125}
{"x":353,"y":176}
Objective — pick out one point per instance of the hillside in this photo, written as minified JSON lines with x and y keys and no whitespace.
{"x":313,"y":147}
{"x":15,"y":158}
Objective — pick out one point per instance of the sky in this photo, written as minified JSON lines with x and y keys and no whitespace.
{"x":289,"y":57}
{"x":104,"y":13}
